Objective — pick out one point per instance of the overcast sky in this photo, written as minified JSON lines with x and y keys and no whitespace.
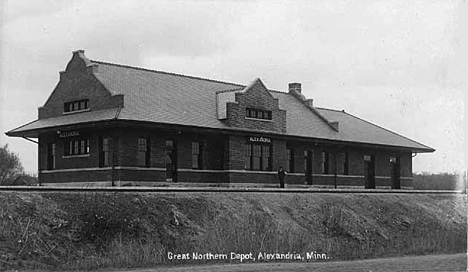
{"x":399,"y":64}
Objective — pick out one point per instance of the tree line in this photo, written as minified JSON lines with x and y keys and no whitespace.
{"x":11,"y":169}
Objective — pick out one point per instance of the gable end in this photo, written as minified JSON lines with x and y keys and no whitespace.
{"x":79,"y":82}
{"x":255,"y":98}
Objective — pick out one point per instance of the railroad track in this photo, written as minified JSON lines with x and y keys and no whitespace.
{"x":222,"y":189}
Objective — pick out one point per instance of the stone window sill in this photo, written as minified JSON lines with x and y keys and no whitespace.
{"x":75,"y":156}
{"x":78,"y":111}
{"x":256,"y":119}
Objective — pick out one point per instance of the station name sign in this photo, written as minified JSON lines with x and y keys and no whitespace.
{"x":254,"y":139}
{"x":67,"y":134}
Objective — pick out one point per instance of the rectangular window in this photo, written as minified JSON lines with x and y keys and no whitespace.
{"x":82,"y":147}
{"x":289,"y":161}
{"x":143,"y":152}
{"x":342,"y":163}
{"x":248,"y":156}
{"x":266,"y":160}
{"x":196,"y":155}
{"x":69,"y":148}
{"x":51,"y":156}
{"x":78,"y":105}
{"x":258,"y":114}
{"x":325,"y":158}
{"x":83,"y":104}
{"x":346,"y":164}
{"x":257,"y":157}
{"x":76,"y":147}
{"x":105,"y":152}
{"x":54,"y":151}
{"x":306,"y":158}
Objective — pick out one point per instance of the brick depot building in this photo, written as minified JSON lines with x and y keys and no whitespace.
{"x":113,"y":124}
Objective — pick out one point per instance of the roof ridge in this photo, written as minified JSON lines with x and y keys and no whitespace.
{"x":321,"y":108}
{"x":276,"y":91}
{"x":230,"y":90}
{"x":428,"y":147}
{"x":163,"y":72}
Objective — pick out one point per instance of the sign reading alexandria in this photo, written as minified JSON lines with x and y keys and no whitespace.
{"x":69,"y":134}
{"x":260,"y":139}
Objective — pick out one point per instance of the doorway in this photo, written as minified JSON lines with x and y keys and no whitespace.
{"x":369,"y":171}
{"x":308,"y":169}
{"x":395,"y":172}
{"x":171,"y":161}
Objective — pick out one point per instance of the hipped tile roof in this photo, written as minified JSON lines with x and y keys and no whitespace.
{"x":155,"y":96}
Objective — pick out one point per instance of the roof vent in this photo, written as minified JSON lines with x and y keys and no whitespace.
{"x":335,"y":125}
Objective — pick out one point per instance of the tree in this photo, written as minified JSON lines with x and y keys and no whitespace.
{"x":10,"y":165}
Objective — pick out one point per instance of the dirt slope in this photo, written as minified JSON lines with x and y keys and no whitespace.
{"x":97,"y":230}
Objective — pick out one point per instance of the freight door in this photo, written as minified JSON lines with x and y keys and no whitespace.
{"x":369,"y":172}
{"x":171,"y":161}
{"x":395,"y":172}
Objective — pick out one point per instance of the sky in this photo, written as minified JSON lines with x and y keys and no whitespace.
{"x":399,"y":64}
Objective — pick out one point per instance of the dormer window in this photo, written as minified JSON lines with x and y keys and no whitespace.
{"x":258,"y":114}
{"x":74,"y":106}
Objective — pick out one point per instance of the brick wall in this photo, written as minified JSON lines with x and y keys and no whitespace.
{"x":279,"y":154}
{"x":77,"y":176}
{"x":203,"y":177}
{"x":152,"y":175}
{"x":355,"y":162}
{"x":256,"y":97}
{"x":220,"y":152}
{"x":211,"y":148}
{"x":406,"y":168}
{"x":69,"y":162}
{"x":76,"y":83}
{"x":236,"y":153}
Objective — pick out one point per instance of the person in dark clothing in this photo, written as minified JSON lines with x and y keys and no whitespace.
{"x":281,"y":175}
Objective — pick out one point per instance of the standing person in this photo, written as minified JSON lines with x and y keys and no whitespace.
{"x":281,"y":175}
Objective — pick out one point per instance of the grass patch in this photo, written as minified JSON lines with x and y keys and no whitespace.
{"x":114,"y":230}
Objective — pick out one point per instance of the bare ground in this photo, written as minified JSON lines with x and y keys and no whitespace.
{"x":453,"y":262}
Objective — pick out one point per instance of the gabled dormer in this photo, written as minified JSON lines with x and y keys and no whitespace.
{"x":79,"y":90}
{"x":252,"y":107}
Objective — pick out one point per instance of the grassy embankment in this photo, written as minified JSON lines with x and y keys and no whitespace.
{"x":97,"y":230}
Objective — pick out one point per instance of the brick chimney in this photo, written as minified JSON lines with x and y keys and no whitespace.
{"x":295,"y":87}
